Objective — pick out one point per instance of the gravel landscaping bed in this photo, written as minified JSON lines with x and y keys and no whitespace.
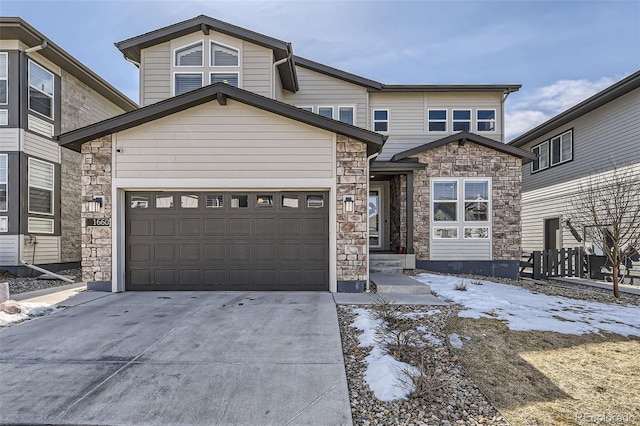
{"x":458,"y":402}
{"x":22,"y":285}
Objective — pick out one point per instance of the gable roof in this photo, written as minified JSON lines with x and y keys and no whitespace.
{"x":471,"y":137}
{"x":220,"y":92}
{"x":13,"y":28}
{"x":281,"y":49}
{"x":607,"y":95}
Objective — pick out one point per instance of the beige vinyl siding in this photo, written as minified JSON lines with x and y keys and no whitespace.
{"x":257,"y":69}
{"x":460,"y":249}
{"x":279,"y":90}
{"x":232,"y":141}
{"x":9,"y":249}
{"x":321,"y":90}
{"x":41,"y":148}
{"x":9,"y":139}
{"x":47,"y":250}
{"x":155,"y":73}
{"x":610,"y":131}
{"x":408,"y":122}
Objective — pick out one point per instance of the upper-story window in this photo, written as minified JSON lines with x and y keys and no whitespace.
{"x":41,"y":179}
{"x":4,"y":181}
{"x":437,"y":120}
{"x":186,"y":82}
{"x":461,"y":120}
{"x":40,"y":90}
{"x":230,"y":78}
{"x":4,"y":71}
{"x":189,"y":56}
{"x":223,"y":56}
{"x":561,"y":148}
{"x":306,"y":108}
{"x":380,"y":120}
{"x":345,"y":114}
{"x":325,"y":111}
{"x":486,"y":120}
{"x":554,"y":151}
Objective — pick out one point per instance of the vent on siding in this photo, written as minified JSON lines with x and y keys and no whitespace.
{"x":40,"y":126}
{"x":42,"y":226}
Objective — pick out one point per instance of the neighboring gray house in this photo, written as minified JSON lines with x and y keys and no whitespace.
{"x":580,"y":141}
{"x":248,"y":167}
{"x":43,"y":91}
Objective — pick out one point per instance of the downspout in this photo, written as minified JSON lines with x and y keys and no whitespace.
{"x":38,"y":47}
{"x":137,"y":64}
{"x":504,"y":99}
{"x":275,"y":66}
{"x":369,"y":159}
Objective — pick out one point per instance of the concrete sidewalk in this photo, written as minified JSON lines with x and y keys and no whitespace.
{"x":178,"y":358}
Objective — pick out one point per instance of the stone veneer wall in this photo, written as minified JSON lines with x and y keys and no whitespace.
{"x":398,"y":211}
{"x":70,"y":208}
{"x":96,"y":180}
{"x":473,"y":160}
{"x":351,"y":179}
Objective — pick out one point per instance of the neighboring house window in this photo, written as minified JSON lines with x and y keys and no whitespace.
{"x":562,"y":148}
{"x":469,"y":218}
{"x":4,"y":181}
{"x":4,"y":71}
{"x":4,"y":117}
{"x":186,"y":82}
{"x":40,"y":90}
{"x":345,"y":114}
{"x":223,"y":56}
{"x":437,"y":120}
{"x":40,"y":186}
{"x":189,"y":56}
{"x":230,"y":78}
{"x":325,"y":111}
{"x":380,"y":120}
{"x":486,"y":120}
{"x":461,"y":120}
{"x":542,"y":162}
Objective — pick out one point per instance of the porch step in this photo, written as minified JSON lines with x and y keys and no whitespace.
{"x":398,"y":283}
{"x":385,"y":256}
{"x":385,"y":269}
{"x":386,"y":265}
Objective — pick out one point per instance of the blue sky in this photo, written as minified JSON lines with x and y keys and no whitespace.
{"x":560,"y":51}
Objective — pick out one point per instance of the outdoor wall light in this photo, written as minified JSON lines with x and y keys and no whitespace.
{"x":96,"y":205}
{"x":349,"y":204}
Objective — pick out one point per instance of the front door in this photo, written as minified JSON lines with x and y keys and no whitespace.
{"x":375,"y":212}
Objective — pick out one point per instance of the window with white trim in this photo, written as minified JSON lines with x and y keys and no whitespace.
{"x":306,"y":108}
{"x":4,"y":224}
{"x":4,"y":181}
{"x":476,"y":200}
{"x":4,"y":117}
{"x":41,"y":182}
{"x":325,"y":111}
{"x":186,"y":82}
{"x":562,"y":148}
{"x":346,"y":114}
{"x":380,"y":120}
{"x":461,"y":120}
{"x":223,"y":56}
{"x":486,"y":120}
{"x":437,"y":119}
{"x":39,"y":225}
{"x":40,"y":90}
{"x":445,"y":201}
{"x":4,"y":77}
{"x":542,"y":161}
{"x":189,"y":56}
{"x":230,"y":78}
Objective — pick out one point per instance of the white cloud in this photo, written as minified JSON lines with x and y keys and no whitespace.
{"x":541,"y":104}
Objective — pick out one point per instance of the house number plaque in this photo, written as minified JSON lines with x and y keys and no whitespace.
{"x":97,"y":221}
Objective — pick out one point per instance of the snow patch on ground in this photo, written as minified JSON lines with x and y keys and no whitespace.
{"x":418,"y":315}
{"x":523,"y":310}
{"x":29,"y":309}
{"x":384,"y":373}
{"x":427,"y":335}
{"x":455,"y":341}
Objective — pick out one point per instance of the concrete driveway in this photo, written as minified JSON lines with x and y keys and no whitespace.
{"x":189,"y":358}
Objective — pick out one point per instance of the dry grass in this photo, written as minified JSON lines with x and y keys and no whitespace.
{"x":546,"y":378}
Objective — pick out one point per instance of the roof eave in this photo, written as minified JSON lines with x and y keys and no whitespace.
{"x":601,"y":98}
{"x":501,"y":88}
{"x":336,"y":73}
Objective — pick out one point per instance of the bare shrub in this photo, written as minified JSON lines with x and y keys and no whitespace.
{"x":385,"y":310}
{"x":461,"y":286}
{"x":399,"y":342}
{"x":423,"y":382}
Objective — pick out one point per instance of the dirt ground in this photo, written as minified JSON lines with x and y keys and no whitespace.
{"x":547,"y":378}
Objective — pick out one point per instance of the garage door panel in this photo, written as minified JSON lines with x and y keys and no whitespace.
{"x":140,"y":227}
{"x":164,"y":227}
{"x":227,"y":241}
{"x":189,"y":227}
{"x":215,"y":226}
{"x":190,"y":253}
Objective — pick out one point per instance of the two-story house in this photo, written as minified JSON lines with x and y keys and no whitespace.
{"x":43,"y":91}
{"x":248,"y":167}
{"x":581,"y":143}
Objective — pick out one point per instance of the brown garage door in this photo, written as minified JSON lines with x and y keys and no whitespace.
{"x":227,"y":241}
